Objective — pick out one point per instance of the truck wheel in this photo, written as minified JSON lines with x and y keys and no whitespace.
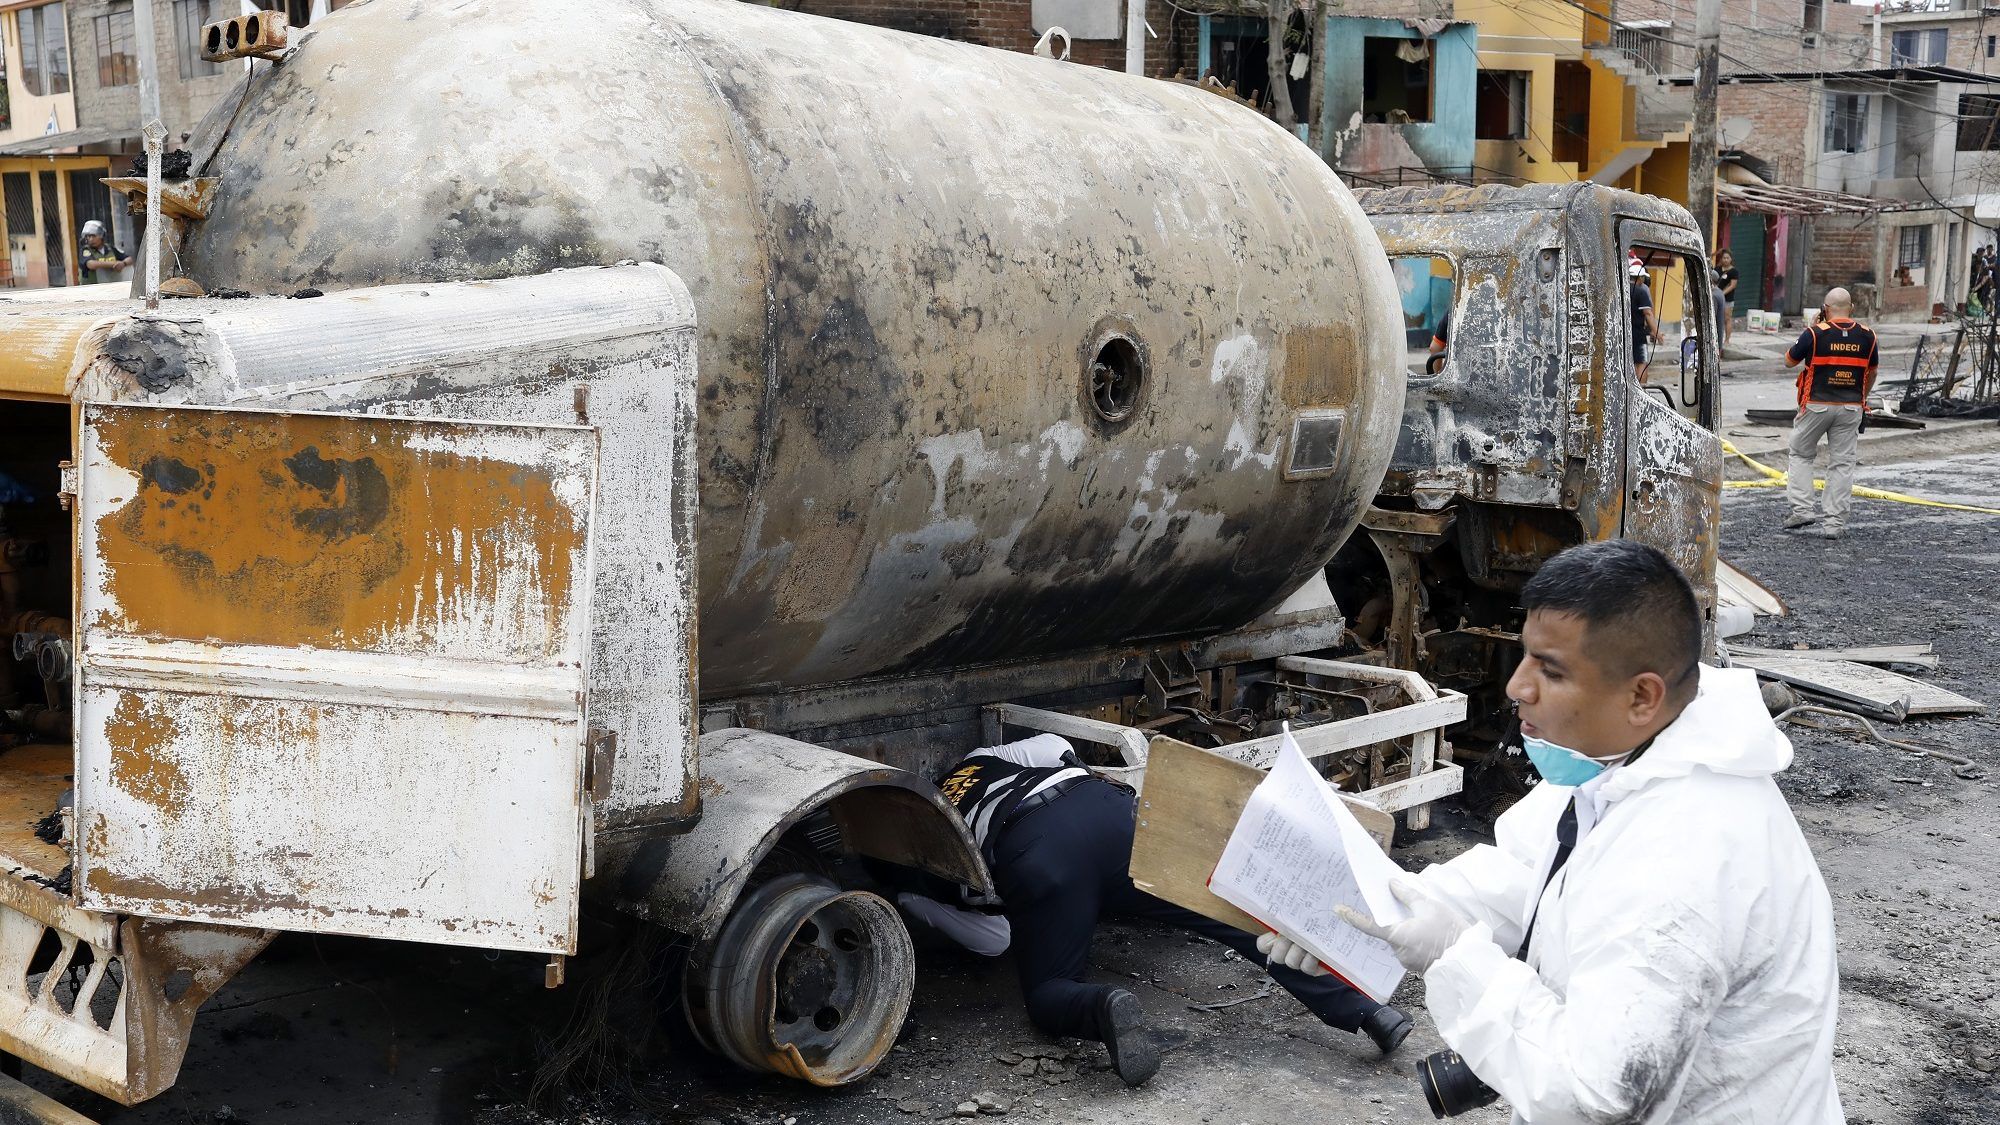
{"x":804,"y":979}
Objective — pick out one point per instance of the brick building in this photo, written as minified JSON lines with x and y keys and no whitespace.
{"x":73,"y":67}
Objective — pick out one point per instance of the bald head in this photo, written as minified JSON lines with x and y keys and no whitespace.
{"x":1838,"y":300}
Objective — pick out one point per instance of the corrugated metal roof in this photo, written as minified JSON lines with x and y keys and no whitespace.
{"x":55,"y":142}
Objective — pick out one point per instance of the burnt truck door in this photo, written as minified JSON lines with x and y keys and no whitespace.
{"x":1673,"y":458}
{"x":331,"y":672}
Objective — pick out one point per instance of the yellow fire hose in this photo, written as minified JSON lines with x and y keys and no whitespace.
{"x":1775,"y":478}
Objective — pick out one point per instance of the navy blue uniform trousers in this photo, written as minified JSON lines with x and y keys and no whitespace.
{"x":1064,"y":865}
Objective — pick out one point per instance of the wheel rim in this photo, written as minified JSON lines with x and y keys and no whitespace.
{"x":804,"y":979}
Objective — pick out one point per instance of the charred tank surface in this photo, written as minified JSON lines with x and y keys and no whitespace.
{"x":1000,"y":357}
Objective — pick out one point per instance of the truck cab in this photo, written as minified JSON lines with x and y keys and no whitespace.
{"x":1527,"y":426}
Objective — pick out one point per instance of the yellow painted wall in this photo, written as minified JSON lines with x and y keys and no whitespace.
{"x":31,"y":113}
{"x":1533,"y":19}
{"x":26,"y":251}
{"x":1540,"y":164}
{"x":1665,"y":173}
{"x":1613,"y":118}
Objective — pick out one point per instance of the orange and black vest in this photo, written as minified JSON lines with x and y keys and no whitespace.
{"x":1836,"y":374}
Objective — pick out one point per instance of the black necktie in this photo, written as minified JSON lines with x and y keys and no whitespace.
{"x":1565,"y":843}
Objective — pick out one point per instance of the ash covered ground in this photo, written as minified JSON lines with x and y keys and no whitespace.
{"x":345,"y":1031}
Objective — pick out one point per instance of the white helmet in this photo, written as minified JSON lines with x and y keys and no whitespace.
{"x":94,"y":226}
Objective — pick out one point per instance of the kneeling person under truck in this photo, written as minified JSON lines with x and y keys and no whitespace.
{"x":1058,"y":839}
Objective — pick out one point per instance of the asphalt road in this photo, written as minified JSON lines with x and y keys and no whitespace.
{"x":334,"y":1031}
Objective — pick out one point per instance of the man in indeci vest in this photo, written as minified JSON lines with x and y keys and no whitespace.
{"x":1840,"y":358}
{"x":1058,"y":839}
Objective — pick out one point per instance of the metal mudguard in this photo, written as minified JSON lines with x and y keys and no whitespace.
{"x":754,"y":787}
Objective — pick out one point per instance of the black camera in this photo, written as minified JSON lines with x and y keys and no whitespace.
{"x":1450,"y":1086}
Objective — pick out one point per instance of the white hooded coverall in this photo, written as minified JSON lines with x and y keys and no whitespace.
{"x":1683,"y":964}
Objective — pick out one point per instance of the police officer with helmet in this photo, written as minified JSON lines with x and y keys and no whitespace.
{"x":1058,"y":839}
{"x":1840,"y":358}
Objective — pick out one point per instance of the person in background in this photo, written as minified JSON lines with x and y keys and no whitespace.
{"x":101,"y":261}
{"x":1728,"y":277}
{"x":1649,"y":938}
{"x":1645,"y":322}
{"x":1840,"y":357}
{"x":1978,"y":293}
{"x":1440,"y":339}
{"x":1058,"y":839}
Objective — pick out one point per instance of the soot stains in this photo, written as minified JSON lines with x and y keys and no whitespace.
{"x":357,"y":490}
{"x":835,"y":373}
{"x":171,"y":476}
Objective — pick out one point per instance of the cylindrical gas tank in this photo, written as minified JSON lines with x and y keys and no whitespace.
{"x":1000,"y":356}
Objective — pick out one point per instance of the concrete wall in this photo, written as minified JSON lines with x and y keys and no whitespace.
{"x":1445,"y":141}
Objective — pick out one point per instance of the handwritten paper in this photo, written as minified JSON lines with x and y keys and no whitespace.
{"x":1296,"y":854}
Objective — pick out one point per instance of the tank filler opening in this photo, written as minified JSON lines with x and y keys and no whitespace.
{"x":1115,"y":378}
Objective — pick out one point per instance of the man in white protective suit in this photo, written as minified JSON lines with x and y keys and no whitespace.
{"x":1650,"y":939}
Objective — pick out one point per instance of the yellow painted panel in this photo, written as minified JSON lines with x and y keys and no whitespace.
{"x":333,"y":532}
{"x":36,"y":351}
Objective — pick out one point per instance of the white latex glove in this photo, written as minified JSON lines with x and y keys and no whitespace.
{"x":1420,"y":939}
{"x":1281,"y":950}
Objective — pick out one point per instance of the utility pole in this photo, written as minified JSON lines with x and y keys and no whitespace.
{"x":1135,"y":37}
{"x":1702,"y":141}
{"x":155,"y":133}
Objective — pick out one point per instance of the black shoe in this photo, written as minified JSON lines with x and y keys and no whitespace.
{"x":1121,"y":1024}
{"x":1388,"y":1027}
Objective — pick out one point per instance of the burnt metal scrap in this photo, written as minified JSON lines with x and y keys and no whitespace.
{"x":1533,"y":435}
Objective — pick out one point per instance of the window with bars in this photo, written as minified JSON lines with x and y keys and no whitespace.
{"x":44,"y":49}
{"x":190,"y":16}
{"x":1846,"y":122}
{"x":20,"y":192}
{"x":1645,"y":43}
{"x":1913,"y":247}
{"x":117,"y":53}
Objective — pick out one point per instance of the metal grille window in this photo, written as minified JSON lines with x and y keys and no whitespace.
{"x":89,"y":199}
{"x":54,"y":243}
{"x":117,"y":54}
{"x":44,"y":49}
{"x":189,"y":18}
{"x":1913,"y":247}
{"x":1846,"y":121}
{"x":1917,"y":48}
{"x":1645,"y":43}
{"x":20,"y":193}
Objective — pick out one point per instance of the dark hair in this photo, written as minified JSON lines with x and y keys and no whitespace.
{"x":1638,"y":609}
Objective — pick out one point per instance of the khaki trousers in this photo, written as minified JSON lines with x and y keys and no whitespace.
{"x":1841,"y":427}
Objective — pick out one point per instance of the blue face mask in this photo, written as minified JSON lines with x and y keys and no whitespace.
{"x":1559,"y":765}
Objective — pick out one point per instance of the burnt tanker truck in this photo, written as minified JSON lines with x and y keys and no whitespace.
{"x":698,"y":424}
